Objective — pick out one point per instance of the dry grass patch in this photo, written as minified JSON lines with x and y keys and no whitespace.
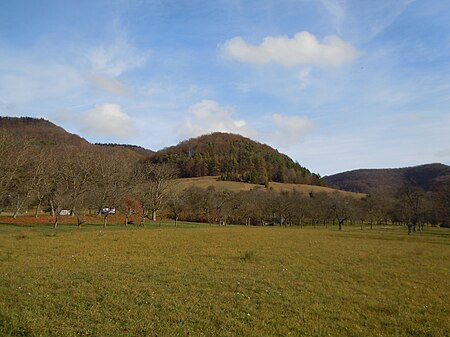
{"x":234,"y":186}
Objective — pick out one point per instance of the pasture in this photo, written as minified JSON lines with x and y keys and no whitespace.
{"x":222,"y":281}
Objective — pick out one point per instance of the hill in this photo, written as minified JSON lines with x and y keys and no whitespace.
{"x":236,"y":158}
{"x":42,"y":132}
{"x":428,"y":177}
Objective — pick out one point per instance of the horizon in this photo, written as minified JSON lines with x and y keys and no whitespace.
{"x":336,"y":85}
{"x":223,"y":132}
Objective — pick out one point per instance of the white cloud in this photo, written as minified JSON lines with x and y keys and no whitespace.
{"x":109,"y":84}
{"x":289,"y":130}
{"x":302,"y":49}
{"x":208,"y":116}
{"x":107,"y":120}
{"x":117,"y":58}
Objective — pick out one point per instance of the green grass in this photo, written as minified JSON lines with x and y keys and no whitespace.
{"x":222,"y":281}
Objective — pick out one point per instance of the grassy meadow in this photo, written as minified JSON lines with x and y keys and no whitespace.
{"x":196,"y":280}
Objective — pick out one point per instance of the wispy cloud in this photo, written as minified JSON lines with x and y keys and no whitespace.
{"x":109,"y":84}
{"x":116,"y":58}
{"x":336,"y":9}
{"x":109,"y":61}
{"x":23,"y":80}
{"x":302,"y":49}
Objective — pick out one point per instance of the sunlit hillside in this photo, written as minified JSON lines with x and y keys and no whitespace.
{"x":205,"y":182}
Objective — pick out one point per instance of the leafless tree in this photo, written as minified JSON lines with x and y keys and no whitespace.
{"x":155,"y":183}
{"x":111,"y":180}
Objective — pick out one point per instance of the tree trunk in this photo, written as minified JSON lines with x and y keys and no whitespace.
{"x":18,"y":207}
{"x":176,"y":221}
{"x":154,"y":215}
{"x":55,"y":224}
{"x":126,"y":219}
{"x":53,"y":209}
{"x":38,"y":208}
{"x":105,"y":219}
{"x":79,"y":221}
{"x":340,"y":224}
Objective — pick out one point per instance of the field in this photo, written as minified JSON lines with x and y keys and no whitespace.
{"x":235,"y":186}
{"x":222,"y":281}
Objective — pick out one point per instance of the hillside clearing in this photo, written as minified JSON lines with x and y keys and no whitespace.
{"x":204,"y":182}
{"x":228,"y":281}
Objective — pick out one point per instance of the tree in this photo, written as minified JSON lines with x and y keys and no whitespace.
{"x":155,"y":183}
{"x":321,"y":208}
{"x":301,"y":205}
{"x":42,"y":185}
{"x":442,"y":204}
{"x":411,"y":198}
{"x":71,"y":180}
{"x":176,"y":205}
{"x":111,"y":181}
{"x":341,"y":209}
{"x":13,"y":158}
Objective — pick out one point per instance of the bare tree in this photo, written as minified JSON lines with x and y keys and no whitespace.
{"x":155,"y":183}
{"x":411,"y":198}
{"x":13,"y":159}
{"x":176,"y":205}
{"x":111,"y":180}
{"x":70,"y":180}
{"x":341,"y":209}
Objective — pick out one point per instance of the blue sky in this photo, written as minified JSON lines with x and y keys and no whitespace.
{"x":335,"y":84}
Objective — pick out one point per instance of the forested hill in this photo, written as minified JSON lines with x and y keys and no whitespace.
{"x":40,"y":131}
{"x":428,"y":177}
{"x":236,"y":158}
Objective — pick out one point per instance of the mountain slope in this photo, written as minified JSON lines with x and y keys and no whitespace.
{"x":236,"y":158}
{"x":428,"y":177}
{"x":42,"y":132}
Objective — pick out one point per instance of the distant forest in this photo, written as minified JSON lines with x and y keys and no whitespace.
{"x":234,"y":157}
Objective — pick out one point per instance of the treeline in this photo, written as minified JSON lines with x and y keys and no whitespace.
{"x":409,"y":206}
{"x":74,"y":179}
{"x":78,"y":179}
{"x":235,"y":158}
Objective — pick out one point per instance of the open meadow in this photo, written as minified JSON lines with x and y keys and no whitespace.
{"x":197,"y":280}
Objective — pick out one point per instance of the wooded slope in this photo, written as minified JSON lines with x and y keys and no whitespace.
{"x":428,"y":177}
{"x":236,"y":158}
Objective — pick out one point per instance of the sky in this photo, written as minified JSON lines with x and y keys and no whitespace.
{"x":335,"y":84}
